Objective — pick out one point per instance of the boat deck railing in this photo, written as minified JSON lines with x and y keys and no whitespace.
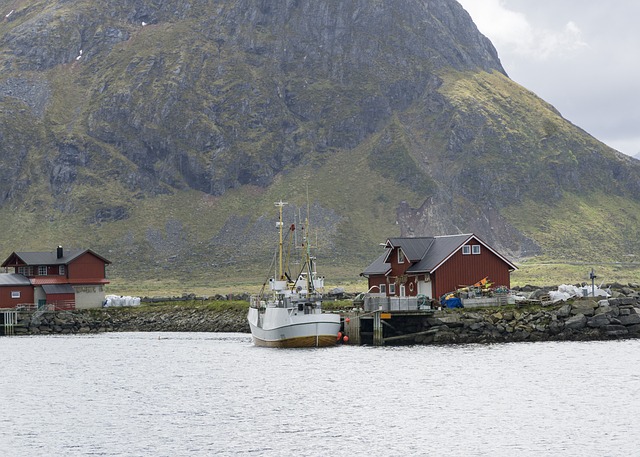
{"x":285,"y":301}
{"x":381,"y":302}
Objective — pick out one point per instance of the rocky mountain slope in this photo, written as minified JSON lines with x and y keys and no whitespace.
{"x":161,"y":133}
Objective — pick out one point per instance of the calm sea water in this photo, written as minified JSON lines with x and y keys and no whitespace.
{"x":201,"y":394}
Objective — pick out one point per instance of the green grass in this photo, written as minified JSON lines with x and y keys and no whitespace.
{"x":549,"y":273}
{"x":595,"y":227}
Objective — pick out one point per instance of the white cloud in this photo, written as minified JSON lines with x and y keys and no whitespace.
{"x":579,"y":55}
{"x":513,"y":32}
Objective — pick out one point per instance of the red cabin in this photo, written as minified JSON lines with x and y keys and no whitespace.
{"x":434,"y":266}
{"x":62,"y":279}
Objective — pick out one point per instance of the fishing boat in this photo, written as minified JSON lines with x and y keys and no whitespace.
{"x":288,"y":312}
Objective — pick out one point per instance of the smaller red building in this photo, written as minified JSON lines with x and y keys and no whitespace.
{"x":434,"y":266}
{"x":62,"y":279}
{"x":15,"y":290}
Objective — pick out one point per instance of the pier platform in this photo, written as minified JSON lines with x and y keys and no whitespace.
{"x":379,"y":319}
{"x":8,"y":321}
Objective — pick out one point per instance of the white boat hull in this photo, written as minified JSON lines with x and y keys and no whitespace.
{"x":283,"y":327}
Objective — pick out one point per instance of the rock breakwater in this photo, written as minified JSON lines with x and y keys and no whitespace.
{"x":578,"y":320}
{"x":173,"y":318}
{"x":575,"y":320}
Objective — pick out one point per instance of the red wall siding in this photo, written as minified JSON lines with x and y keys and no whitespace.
{"x":62,"y":301}
{"x":87,"y":266}
{"x":466,"y":270}
{"x":376,"y":280}
{"x":52,"y":270}
{"x":399,"y":269}
{"x":26,"y":296}
{"x":411,"y":284}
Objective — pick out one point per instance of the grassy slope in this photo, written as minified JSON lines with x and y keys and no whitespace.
{"x":577,"y":231}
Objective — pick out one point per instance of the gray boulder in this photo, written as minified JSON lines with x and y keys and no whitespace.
{"x":586,"y":307}
{"x":576,"y":322}
{"x":599,"y":320}
{"x":564,"y":311}
{"x":631,"y":319}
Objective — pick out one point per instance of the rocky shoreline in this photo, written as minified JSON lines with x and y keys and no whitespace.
{"x":572,"y":320}
{"x":174,"y":318}
{"x":578,"y":320}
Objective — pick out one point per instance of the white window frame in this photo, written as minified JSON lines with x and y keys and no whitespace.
{"x":466,"y":250}
{"x":392,"y":288}
{"x":61,"y":270}
{"x":401,"y":256}
{"x":42,"y":268}
{"x":25,"y":270}
{"x":15,"y":294}
{"x":383,"y":288}
{"x":475,"y":249}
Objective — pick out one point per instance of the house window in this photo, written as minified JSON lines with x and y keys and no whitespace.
{"x":42,"y":270}
{"x":61,"y":270}
{"x":15,"y":294}
{"x":466,"y":249}
{"x":27,"y":271}
{"x":475,"y":249}
{"x":383,"y":288}
{"x":400,"y":256}
{"x":392,"y":289}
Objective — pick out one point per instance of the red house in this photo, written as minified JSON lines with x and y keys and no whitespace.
{"x":433,"y":266}
{"x":61,"y":279}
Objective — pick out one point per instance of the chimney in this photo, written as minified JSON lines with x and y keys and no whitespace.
{"x":60,"y":252}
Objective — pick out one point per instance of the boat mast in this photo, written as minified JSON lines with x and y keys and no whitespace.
{"x":307,"y":234}
{"x":280,"y":224}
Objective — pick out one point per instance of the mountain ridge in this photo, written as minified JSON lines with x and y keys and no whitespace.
{"x":162,"y":134}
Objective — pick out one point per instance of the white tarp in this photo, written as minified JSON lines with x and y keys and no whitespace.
{"x":120,"y":300}
{"x":566,"y":291}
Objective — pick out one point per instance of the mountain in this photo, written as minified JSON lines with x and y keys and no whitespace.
{"x":160,"y":134}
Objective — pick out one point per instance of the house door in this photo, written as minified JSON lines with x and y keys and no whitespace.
{"x":424,"y":288}
{"x":403,"y":291}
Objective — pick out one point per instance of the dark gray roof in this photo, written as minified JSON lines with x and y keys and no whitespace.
{"x":426,"y":254}
{"x":51,"y":258}
{"x":439,"y":251}
{"x":12,"y":279}
{"x":58,"y":289}
{"x":378,"y":267}
{"x":413,"y":248}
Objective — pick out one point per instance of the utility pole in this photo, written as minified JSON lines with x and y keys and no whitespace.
{"x":593,"y":283}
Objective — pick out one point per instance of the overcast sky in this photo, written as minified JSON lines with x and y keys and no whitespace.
{"x":582,"y":56}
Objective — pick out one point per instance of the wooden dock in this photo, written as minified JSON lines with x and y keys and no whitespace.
{"x":8,"y":321}
{"x":381,"y":327}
